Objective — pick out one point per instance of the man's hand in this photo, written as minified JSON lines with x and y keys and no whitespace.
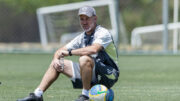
{"x":58,"y":61}
{"x":59,"y":66}
{"x":63,"y":53}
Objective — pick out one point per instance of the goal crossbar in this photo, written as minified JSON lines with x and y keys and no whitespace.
{"x":136,"y":32}
{"x":73,"y":6}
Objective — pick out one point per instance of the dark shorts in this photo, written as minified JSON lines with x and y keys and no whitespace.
{"x":105,"y":74}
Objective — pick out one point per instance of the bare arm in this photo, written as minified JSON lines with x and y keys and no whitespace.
{"x":93,"y":49}
{"x":61,"y":52}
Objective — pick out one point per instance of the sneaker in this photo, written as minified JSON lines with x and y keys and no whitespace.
{"x":31,"y":97}
{"x":83,"y":98}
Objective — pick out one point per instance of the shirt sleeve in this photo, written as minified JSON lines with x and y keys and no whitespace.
{"x":103,"y":38}
{"x":75,"y":43}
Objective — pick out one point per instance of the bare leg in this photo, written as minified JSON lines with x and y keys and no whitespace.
{"x":86,"y":69}
{"x":51,"y":75}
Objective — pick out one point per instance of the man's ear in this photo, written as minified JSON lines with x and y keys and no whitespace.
{"x":96,"y":18}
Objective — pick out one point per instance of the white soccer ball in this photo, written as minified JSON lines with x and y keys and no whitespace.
{"x":98,"y":93}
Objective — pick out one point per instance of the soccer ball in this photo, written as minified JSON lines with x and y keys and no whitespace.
{"x":101,"y":93}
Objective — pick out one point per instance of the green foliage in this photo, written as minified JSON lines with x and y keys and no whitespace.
{"x":32,"y":5}
{"x":138,"y":13}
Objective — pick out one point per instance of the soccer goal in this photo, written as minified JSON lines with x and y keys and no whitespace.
{"x":151,"y":36}
{"x":59,"y":24}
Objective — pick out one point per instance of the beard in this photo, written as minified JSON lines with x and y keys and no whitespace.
{"x":88,"y":29}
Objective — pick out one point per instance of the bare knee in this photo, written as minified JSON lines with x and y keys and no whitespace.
{"x":86,"y":61}
{"x":54,"y":67}
{"x":64,"y":67}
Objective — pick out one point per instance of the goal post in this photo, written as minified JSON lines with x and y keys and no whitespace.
{"x":164,"y":35}
{"x":48,"y":26}
{"x":152,"y":35}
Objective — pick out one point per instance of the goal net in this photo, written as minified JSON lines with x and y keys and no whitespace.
{"x":59,"y":24}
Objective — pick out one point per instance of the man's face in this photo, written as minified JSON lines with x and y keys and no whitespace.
{"x":88,"y":23}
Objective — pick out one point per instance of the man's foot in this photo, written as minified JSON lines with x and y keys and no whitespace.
{"x":83,"y":98}
{"x":31,"y":97}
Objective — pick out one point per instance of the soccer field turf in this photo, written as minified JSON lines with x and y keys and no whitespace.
{"x":142,"y":78}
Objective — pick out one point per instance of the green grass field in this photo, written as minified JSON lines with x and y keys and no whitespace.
{"x":142,"y":78}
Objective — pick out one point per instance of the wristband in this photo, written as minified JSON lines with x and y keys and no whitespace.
{"x":69,"y":50}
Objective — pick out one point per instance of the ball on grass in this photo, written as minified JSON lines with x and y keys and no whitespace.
{"x":101,"y":93}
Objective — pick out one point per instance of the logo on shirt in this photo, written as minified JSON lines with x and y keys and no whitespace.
{"x":111,"y":76}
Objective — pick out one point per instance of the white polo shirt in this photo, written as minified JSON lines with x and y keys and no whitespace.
{"x":101,"y":36}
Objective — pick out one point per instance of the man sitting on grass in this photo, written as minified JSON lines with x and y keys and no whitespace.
{"x":97,"y":62}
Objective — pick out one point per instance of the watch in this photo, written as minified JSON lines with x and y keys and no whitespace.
{"x":69,"y":50}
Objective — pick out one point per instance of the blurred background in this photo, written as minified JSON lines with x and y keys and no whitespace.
{"x":146,"y":33}
{"x":142,"y":25}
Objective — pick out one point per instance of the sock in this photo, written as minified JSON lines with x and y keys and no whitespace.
{"x":38,"y":92}
{"x":85,"y":92}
